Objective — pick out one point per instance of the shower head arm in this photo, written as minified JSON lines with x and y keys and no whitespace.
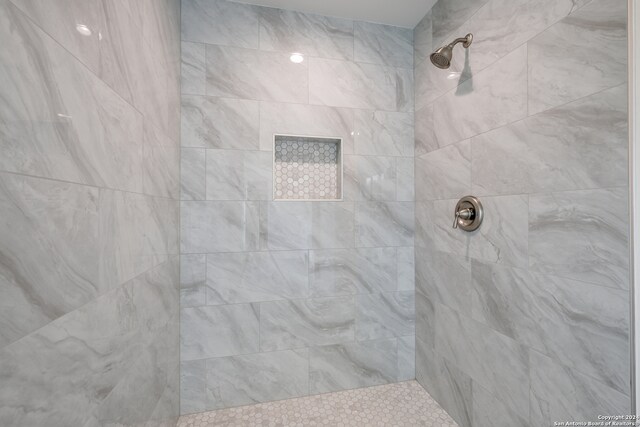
{"x":466,"y":41}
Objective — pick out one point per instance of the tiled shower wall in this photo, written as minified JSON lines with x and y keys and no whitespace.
{"x":89,"y":170}
{"x":284,"y":299}
{"x":525,"y":321}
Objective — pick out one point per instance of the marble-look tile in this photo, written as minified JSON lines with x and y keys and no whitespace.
{"x":351,"y":271}
{"x":193,"y":280}
{"x":219,"y":331}
{"x":497,"y":362}
{"x":449,"y":16}
{"x":425,"y":322}
{"x":580,"y":145}
{"x":193,"y":174}
{"x":298,"y":119}
{"x":492,"y":98}
{"x":161,"y":164}
{"x":406,"y":269}
{"x":444,"y":278}
{"x":64,"y":122}
{"x":423,"y":39}
{"x":312,"y":35}
{"x":217,"y":226}
{"x":383,"y":133}
{"x":449,"y":386}
{"x":356,"y":85}
{"x":239,"y":175}
{"x":503,"y":236}
{"x":307,"y":322}
{"x":385,"y":315}
{"x":193,"y":71}
{"x":383,"y":44}
{"x":444,"y":173}
{"x":285,"y":225}
{"x":425,"y":138}
{"x":559,"y":393}
{"x":581,"y":235}
{"x":384,"y":224}
{"x":439,"y":230}
{"x":352,"y":365}
{"x":256,"y":276}
{"x":595,"y":42}
{"x":489,"y":411}
{"x":50,"y":252}
{"x":370,"y":178}
{"x":406,"y":358}
{"x":432,"y":82}
{"x":405,"y":179}
{"x":252,"y":378}
{"x":332,"y":225}
{"x":193,"y":383}
{"x":220,"y":123}
{"x":544,"y":313}
{"x":220,"y":22}
{"x":255,"y":74}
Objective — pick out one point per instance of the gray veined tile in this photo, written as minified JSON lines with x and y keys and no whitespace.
{"x":239,"y":175}
{"x":432,"y":82}
{"x":425,"y":138}
{"x":497,"y":362}
{"x":306,"y":322}
{"x":384,"y":224}
{"x":595,"y":42}
{"x":255,"y":74}
{"x":49,"y":253}
{"x":193,"y":386}
{"x":406,"y":358}
{"x":193,"y":280}
{"x":332,"y":225}
{"x":406,"y":268}
{"x":444,"y":173}
{"x":438,"y":227}
{"x":385,"y":315}
{"x":193,"y":71}
{"x":405,"y":94}
{"x":218,"y":331}
{"x":217,"y":226}
{"x":312,"y":35}
{"x":383,"y":44}
{"x":352,"y":365}
{"x":220,"y":22}
{"x":313,"y":120}
{"x":425,"y":322}
{"x":383,"y":133}
{"x":503,"y":236}
{"x":253,"y":378}
{"x":285,"y":225}
{"x":193,"y":174}
{"x":558,"y":317}
{"x":575,"y":396}
{"x":423,"y":39}
{"x":581,"y":235}
{"x":161,"y":164}
{"x":405,"y":179}
{"x":449,"y":386}
{"x":491,"y":98}
{"x":335,"y":272}
{"x":489,"y":411}
{"x":210,"y":122}
{"x":370,"y":178}
{"x":579,"y":145}
{"x":256,"y":276}
{"x":448,"y":17}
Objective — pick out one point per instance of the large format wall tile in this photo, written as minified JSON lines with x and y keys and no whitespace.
{"x":383,"y":133}
{"x":193,"y":280}
{"x":193,"y":70}
{"x":423,"y":39}
{"x":256,"y":276}
{"x":385,"y":315}
{"x":193,"y":174}
{"x":352,"y":365}
{"x":384,"y":224}
{"x":161,"y":164}
{"x":219,"y":331}
{"x":580,"y":145}
{"x":370,"y":178}
{"x":253,"y":378}
{"x":581,"y":235}
{"x":239,"y":175}
{"x":542,"y":311}
{"x":332,"y":225}
{"x":444,"y":173}
{"x":312,"y":35}
{"x":254,"y":74}
{"x":383,"y":44}
{"x":305,"y":323}
{"x":489,"y":411}
{"x":407,"y":358}
{"x":285,"y":226}
{"x":449,"y":16}
{"x":220,"y":22}
{"x":594,"y":42}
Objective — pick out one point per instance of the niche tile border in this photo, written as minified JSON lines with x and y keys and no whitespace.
{"x":307,"y":168}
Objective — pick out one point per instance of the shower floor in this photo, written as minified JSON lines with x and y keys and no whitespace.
{"x":400,"y":404}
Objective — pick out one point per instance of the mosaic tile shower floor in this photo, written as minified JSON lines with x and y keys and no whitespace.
{"x":402,"y":404}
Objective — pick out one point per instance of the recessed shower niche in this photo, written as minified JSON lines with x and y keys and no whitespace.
{"x":307,"y":168}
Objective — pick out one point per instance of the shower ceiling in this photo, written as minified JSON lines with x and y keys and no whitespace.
{"x":401,"y":13}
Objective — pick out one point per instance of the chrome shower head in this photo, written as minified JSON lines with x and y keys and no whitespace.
{"x":441,"y":58}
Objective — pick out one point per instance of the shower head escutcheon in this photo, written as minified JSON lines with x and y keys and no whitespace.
{"x":441,"y":58}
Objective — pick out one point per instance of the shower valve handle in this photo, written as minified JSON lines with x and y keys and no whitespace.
{"x":467,"y":213}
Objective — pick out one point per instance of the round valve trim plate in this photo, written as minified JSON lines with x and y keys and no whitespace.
{"x":473,"y":222}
